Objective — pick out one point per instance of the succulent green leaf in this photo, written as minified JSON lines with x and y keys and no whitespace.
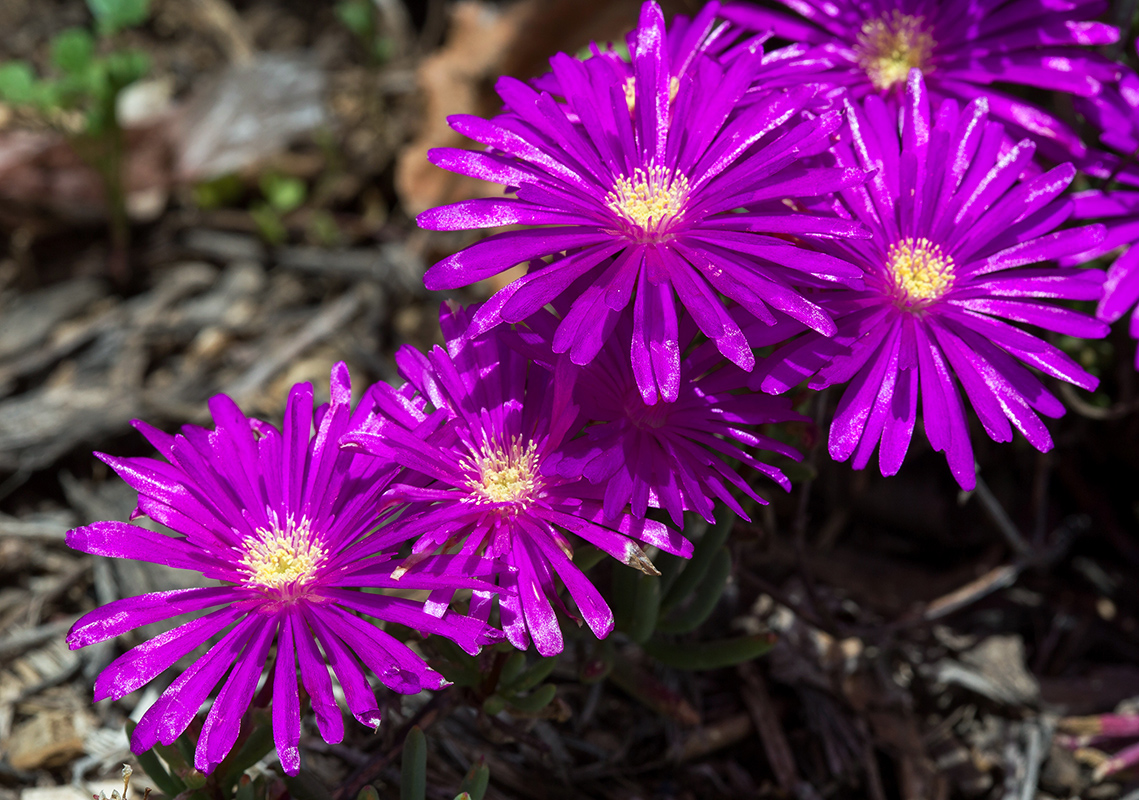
{"x":704,"y":598}
{"x":702,"y":555}
{"x":646,"y":610}
{"x":475,"y":783}
{"x":709,"y":655}
{"x":536,"y":700}
{"x":535,"y":674}
{"x":413,"y":775}
{"x":168,"y":784}
{"x":513,"y":668}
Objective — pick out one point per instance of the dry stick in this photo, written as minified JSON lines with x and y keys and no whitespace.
{"x":1042,"y":477}
{"x":16,"y":643}
{"x":324,"y":324}
{"x":771,"y":735}
{"x":999,"y":516}
{"x":1086,"y":409}
{"x":219,"y":17}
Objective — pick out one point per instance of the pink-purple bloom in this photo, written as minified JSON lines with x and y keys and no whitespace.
{"x":677,"y":456}
{"x":284,"y":519}
{"x":962,"y":49}
{"x":956,"y":255}
{"x":639,"y":181}
{"x":474,"y":445}
{"x":1115,"y":112}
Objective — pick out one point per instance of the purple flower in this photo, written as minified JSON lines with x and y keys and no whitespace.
{"x":475,"y":481}
{"x":283,"y":519}
{"x":704,"y":34}
{"x":960,"y":47}
{"x":674,"y":455}
{"x":1116,"y":113}
{"x":1118,"y":208}
{"x":949,"y":267}
{"x":640,"y":196}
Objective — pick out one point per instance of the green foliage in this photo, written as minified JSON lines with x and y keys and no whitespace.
{"x":474,"y":784}
{"x":709,"y":655}
{"x":219,"y":192}
{"x":520,"y":688}
{"x":413,"y":774}
{"x":359,"y":16}
{"x":650,"y":608}
{"x":73,"y":50}
{"x":87,"y":81}
{"x":171,"y":768}
{"x":18,"y":83}
{"x":283,"y":193}
{"x":112,"y":16}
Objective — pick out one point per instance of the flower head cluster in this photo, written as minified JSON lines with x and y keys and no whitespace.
{"x":474,"y":446}
{"x":853,"y":201}
{"x":282,"y":518}
{"x":640,"y":181}
{"x":954,"y":261}
{"x":961,"y":49}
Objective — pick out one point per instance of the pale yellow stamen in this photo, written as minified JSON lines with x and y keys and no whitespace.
{"x":921,"y":269}
{"x":504,"y":474}
{"x":889,"y":47}
{"x":631,"y":91}
{"x":650,"y":200}
{"x":277,"y":558}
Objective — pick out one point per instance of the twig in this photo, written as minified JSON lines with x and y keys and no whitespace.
{"x":219,"y":17}
{"x":1003,"y":522}
{"x":16,"y":643}
{"x":771,"y":735}
{"x":994,"y":580}
{"x":321,"y":326}
{"x":51,"y":528}
{"x":1086,"y":409}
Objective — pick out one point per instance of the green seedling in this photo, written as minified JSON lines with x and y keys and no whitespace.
{"x":80,"y":98}
{"x":359,"y":16}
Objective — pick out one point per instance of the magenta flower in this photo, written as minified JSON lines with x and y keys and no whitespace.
{"x":1115,"y":112}
{"x":961,"y":48}
{"x":640,"y":195}
{"x":283,"y":519}
{"x":677,"y":456}
{"x":476,"y":482}
{"x":706,"y":34}
{"x":956,"y":235}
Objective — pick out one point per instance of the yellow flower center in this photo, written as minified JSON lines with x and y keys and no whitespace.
{"x":504,"y":474}
{"x":630,"y":87}
{"x":279,"y":559}
{"x":650,"y":200}
{"x":921,"y":269}
{"x":889,"y":47}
